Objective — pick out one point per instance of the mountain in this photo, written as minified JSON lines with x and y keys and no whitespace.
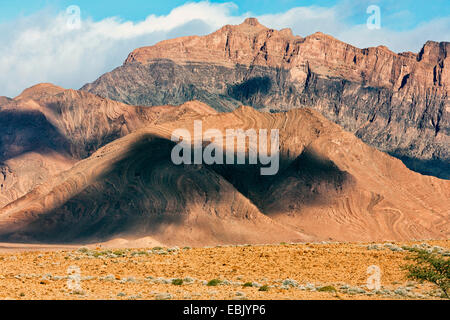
{"x":398,"y":103}
{"x":47,"y":129}
{"x":95,"y":164}
{"x":330,"y":186}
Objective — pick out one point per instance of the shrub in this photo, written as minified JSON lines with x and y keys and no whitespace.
{"x":248,"y":284}
{"x":188,"y":280}
{"x":430,"y":266}
{"x":163,"y":296}
{"x":290,"y":283}
{"x":264,"y":288}
{"x":327,"y":289}
{"x":177,"y":282}
{"x":119,"y":253}
{"x":97,"y":254}
{"x":213,"y":282}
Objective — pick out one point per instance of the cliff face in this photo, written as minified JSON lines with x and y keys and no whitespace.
{"x":396,"y":102}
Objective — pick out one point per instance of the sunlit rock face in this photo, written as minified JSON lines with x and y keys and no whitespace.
{"x":396,"y":102}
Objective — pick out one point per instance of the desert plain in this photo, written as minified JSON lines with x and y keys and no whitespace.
{"x":322,"y":270}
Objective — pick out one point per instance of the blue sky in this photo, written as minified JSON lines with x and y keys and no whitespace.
{"x":37,"y":45}
{"x":413,"y":12}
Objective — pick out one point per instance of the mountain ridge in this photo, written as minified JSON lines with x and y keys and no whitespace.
{"x":47,"y":129}
{"x":94,"y":165}
{"x":396,"y":102}
{"x":331,"y":184}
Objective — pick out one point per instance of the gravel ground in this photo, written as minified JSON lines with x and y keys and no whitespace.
{"x":283,"y":271}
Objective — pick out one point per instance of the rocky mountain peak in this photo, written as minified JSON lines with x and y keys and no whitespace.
{"x":397,"y":102}
{"x":434,"y":52}
{"x":251,"y":22}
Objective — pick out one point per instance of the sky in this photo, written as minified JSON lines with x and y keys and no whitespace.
{"x":72,"y":42}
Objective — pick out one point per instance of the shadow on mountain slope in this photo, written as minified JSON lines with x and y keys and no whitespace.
{"x":143,"y":192}
{"x":26,"y":131}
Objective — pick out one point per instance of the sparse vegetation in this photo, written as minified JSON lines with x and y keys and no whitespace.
{"x":163,"y":296}
{"x":119,"y":253}
{"x":264,"y":288}
{"x":290,"y":283}
{"x":128,"y":276}
{"x":430,"y":266}
{"x":327,"y":289}
{"x":83,"y":249}
{"x":213,"y":282}
{"x":188,"y":280}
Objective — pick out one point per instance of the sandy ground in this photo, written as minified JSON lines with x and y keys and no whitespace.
{"x":290,"y":271}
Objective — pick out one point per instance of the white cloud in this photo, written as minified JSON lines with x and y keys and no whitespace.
{"x":307,"y":20}
{"x":41,"y":48}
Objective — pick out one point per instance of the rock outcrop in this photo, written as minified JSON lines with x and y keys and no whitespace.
{"x":397,"y":103}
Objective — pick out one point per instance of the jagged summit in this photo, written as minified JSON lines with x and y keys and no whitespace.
{"x":251,"y":22}
{"x":251,"y":43}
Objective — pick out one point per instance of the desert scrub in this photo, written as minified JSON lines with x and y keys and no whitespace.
{"x":290,"y":283}
{"x":264,"y":288}
{"x":163,"y":296}
{"x":119,"y":253}
{"x":97,"y":254}
{"x":248,"y":284}
{"x":327,"y":289}
{"x":177,"y":282}
{"x":188,"y":280}
{"x":139,"y":253}
{"x":213,"y":282}
{"x":429,"y":266}
{"x":83,"y":249}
